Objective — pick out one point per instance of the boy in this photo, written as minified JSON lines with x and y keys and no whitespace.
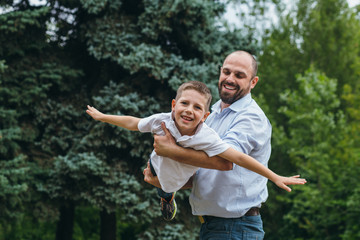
{"x":186,"y":123}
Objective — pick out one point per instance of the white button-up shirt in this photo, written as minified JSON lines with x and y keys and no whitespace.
{"x":231,"y":194}
{"x":173,"y":175}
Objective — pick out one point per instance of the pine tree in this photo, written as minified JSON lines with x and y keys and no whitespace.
{"x":123,"y":57}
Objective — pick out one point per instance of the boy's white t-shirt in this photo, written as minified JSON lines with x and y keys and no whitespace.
{"x":173,"y":175}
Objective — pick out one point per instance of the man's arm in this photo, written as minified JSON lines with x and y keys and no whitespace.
{"x":166,"y":146}
{"x":127,"y":122}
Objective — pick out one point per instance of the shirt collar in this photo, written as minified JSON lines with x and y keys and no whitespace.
{"x":236,"y":106}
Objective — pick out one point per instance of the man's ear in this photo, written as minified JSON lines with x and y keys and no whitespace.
{"x":205,"y":116}
{"x":254,"y":81}
{"x":173,"y":103}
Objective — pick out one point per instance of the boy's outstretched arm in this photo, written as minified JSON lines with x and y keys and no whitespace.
{"x":127,"y":122}
{"x":282,"y":182}
{"x":250,"y":163}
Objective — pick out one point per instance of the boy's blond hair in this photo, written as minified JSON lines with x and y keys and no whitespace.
{"x":197,"y":86}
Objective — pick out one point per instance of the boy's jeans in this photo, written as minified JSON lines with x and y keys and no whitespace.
{"x":161,"y":193}
{"x":243,"y":228}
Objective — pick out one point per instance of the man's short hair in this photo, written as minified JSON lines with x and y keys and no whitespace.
{"x":254,"y":64}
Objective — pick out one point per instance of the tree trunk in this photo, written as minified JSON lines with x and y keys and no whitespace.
{"x":107,"y":225}
{"x":65,"y":226}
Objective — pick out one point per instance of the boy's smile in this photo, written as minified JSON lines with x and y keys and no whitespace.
{"x":189,"y":110}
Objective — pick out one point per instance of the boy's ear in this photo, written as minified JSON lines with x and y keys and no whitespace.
{"x":173,"y":103}
{"x":205,"y":116}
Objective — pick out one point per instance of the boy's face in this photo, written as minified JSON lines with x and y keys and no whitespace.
{"x":189,"y":111}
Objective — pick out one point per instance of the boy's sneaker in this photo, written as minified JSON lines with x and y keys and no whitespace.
{"x":168,"y":208}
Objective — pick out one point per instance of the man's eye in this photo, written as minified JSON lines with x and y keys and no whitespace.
{"x":226,"y":72}
{"x":239,"y":75}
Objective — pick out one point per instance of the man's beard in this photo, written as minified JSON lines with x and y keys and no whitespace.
{"x":227,"y":97}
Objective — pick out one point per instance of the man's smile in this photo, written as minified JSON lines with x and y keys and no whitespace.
{"x":230,"y":87}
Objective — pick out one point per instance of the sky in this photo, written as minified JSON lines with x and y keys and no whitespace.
{"x":232,"y":11}
{"x":231,"y":14}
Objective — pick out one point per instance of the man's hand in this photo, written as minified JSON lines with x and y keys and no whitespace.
{"x":150,"y":178}
{"x":164,"y":145}
{"x":94,"y":113}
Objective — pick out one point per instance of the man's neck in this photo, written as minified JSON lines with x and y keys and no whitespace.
{"x":224,"y":105}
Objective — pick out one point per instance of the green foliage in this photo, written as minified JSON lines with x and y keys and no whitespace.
{"x":14,"y":186}
{"x":129,"y":57}
{"x":314,"y":100}
{"x":352,"y":100}
{"x":95,"y":6}
{"x":170,"y":232}
{"x":16,"y":22}
{"x":84,"y":217}
{"x":2,"y":67}
{"x":318,"y":33}
{"x":84,"y":176}
{"x":315,"y":145}
{"x":31,"y":77}
{"x":123,"y":57}
{"x":309,"y":75}
{"x":29,"y":228}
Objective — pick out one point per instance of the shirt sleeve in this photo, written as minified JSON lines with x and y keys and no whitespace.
{"x":152,"y":124}
{"x":248,"y":132}
{"x":209,"y":142}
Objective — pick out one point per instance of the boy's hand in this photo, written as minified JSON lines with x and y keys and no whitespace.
{"x":282,"y":182}
{"x":94,"y":113}
{"x":150,"y":178}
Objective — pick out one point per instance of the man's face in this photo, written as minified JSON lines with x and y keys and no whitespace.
{"x":235,"y":79}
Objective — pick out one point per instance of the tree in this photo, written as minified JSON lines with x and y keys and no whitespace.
{"x":321,"y":208}
{"x":17,"y":96}
{"x":314,"y":120}
{"x":320,"y":33}
{"x":36,"y":73}
{"x":124,"y":57}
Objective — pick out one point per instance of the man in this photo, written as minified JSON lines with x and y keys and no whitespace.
{"x":228,"y":202}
